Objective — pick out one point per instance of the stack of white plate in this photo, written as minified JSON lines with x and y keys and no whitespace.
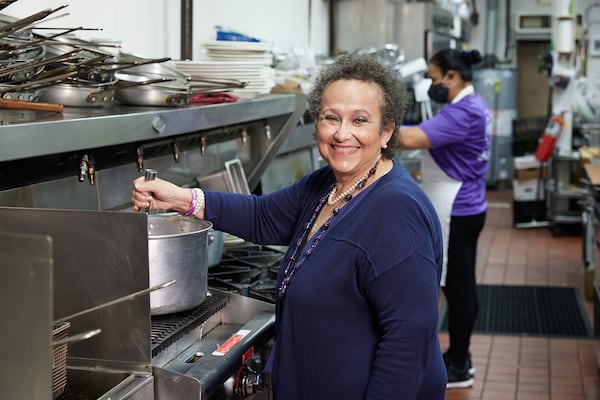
{"x":245,"y":61}
{"x":221,"y":50}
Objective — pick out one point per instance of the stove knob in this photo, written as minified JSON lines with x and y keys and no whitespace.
{"x":251,"y":379}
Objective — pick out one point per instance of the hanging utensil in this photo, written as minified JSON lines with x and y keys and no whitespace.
{"x":42,"y":63}
{"x":6,"y":3}
{"x":127,"y":84}
{"x":49,"y":80}
{"x":42,"y":40}
{"x":45,"y":20}
{"x":80,"y":43}
{"x":19,"y":24}
{"x":115,"y":301}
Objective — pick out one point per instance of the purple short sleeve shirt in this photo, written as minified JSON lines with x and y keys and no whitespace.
{"x":460,"y":143}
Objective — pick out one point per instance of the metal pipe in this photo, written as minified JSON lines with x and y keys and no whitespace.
{"x":332,"y":28}
{"x":491,"y":27}
{"x":186,"y":30}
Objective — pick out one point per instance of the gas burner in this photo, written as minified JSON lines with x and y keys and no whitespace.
{"x":167,"y":329}
{"x":256,"y":255}
{"x":249,"y":270}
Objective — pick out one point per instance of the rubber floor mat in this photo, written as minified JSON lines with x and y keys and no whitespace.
{"x":528,"y":310}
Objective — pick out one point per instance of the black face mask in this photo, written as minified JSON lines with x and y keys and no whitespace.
{"x":438,"y":93}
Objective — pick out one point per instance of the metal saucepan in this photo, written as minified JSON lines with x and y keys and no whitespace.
{"x":177,"y":249}
{"x":216,"y":243}
{"x":127,"y":80}
{"x":73,"y":95}
{"x":30,"y":90}
{"x":167,"y":94}
{"x":103,"y":68}
{"x":152,"y":96}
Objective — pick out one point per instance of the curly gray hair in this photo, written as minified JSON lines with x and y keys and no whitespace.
{"x":367,"y":69}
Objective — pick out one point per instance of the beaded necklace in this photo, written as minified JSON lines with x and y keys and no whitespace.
{"x":297,"y":259}
{"x":359,"y":184}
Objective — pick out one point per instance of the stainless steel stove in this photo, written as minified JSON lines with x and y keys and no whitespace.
{"x":213,"y":351}
{"x":91,"y":252}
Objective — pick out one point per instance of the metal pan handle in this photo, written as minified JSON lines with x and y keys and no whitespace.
{"x":115,"y":301}
{"x":78,"y":337}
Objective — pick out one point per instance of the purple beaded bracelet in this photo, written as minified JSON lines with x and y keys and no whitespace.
{"x":190,"y":211}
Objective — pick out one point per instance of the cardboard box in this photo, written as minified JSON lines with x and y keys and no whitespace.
{"x":530,"y":173}
{"x":526,"y":162}
{"x":527,"y":190}
{"x":528,"y":167}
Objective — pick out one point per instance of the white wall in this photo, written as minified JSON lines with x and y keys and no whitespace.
{"x":151,"y":28}
{"x":479,"y":33}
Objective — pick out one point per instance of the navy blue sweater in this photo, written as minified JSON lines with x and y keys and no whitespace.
{"x":359,"y":318}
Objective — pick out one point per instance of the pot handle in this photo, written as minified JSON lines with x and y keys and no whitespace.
{"x":115,"y":301}
{"x":30,"y":105}
{"x":77,"y":338}
{"x":150,"y":175}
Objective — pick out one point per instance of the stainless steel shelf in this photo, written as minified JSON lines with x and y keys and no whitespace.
{"x":25,"y":134}
{"x":567,"y":219}
{"x":563,"y":194}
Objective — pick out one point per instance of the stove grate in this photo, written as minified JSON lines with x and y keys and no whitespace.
{"x":167,"y":329}
{"x":249,"y":270}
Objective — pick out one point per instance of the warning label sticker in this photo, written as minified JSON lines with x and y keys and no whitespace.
{"x":231,"y":342}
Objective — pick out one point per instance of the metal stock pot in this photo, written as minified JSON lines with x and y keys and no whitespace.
{"x":177,"y":249}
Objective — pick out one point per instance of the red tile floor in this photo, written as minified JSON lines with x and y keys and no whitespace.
{"x":528,"y":368}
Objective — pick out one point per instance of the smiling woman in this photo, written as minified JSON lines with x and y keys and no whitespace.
{"x":358,"y":287}
{"x":348,"y":136}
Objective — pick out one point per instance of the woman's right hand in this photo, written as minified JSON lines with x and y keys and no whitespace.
{"x":159,"y":194}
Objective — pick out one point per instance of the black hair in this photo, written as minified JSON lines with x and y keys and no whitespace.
{"x":367,"y":69}
{"x":460,"y":61}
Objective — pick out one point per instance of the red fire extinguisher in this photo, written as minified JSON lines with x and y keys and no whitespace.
{"x":553,"y":129}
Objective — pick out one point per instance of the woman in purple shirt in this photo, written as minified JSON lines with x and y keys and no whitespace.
{"x":453,"y":173}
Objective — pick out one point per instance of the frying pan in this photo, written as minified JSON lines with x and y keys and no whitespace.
{"x":152,"y":96}
{"x":77,"y":95}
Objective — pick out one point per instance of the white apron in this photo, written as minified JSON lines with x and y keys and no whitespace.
{"x":441,"y":190}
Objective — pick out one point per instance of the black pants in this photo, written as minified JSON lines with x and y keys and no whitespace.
{"x":461,"y":286}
